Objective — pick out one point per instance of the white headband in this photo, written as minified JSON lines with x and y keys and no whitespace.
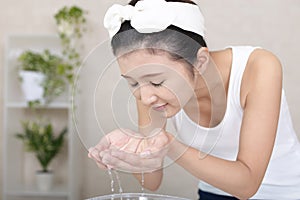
{"x":148,"y":16}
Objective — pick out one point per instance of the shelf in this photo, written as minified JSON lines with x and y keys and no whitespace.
{"x":58,"y":191}
{"x":19,"y":166}
{"x":25,"y":105}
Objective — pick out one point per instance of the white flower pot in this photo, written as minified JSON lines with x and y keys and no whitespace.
{"x":32,"y":85}
{"x":44,"y":180}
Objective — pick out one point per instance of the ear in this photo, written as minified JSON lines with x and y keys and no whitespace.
{"x":202,"y":60}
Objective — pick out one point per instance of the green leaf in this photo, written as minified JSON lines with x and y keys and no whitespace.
{"x":56,"y":70}
{"x":40,"y":139}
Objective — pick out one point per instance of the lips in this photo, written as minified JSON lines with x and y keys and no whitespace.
{"x":161,"y":107}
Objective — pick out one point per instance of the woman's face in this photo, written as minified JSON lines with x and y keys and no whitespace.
{"x":163,"y":84}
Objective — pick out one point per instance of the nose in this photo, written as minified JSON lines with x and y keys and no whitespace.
{"x":146,"y":94}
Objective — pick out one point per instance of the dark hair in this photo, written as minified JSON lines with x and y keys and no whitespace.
{"x":178,"y":43}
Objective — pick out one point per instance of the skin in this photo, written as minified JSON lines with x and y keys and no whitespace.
{"x":260,"y":99}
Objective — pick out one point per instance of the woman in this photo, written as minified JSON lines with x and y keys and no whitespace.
{"x":234,"y":128}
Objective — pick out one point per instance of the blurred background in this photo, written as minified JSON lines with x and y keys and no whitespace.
{"x":270,"y":24}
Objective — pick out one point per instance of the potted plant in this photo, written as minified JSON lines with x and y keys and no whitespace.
{"x":44,"y":76}
{"x":71,"y":22}
{"x":41,"y":140}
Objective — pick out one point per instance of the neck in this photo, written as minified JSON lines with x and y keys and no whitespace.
{"x":209,"y":86}
{"x":210,"y":83}
{"x":210,"y":89}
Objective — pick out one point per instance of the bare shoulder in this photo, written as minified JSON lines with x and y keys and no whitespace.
{"x":263,"y":70}
{"x":262,"y":60}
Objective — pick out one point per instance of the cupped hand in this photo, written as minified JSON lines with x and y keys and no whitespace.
{"x":129,"y":151}
{"x":117,"y":139}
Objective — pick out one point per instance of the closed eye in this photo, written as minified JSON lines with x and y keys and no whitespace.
{"x":134,"y":85}
{"x":157,"y":84}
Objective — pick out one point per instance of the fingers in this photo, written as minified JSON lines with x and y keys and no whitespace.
{"x":156,"y":144}
{"x":129,"y":151}
{"x":121,"y":165}
{"x":102,"y":166}
{"x":94,"y":154}
{"x":131,"y":146}
{"x":103,"y":144}
{"x":132,"y":162}
{"x":115,"y":139}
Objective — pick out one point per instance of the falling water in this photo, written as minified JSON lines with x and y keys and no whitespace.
{"x":111,"y":174}
{"x":143,"y":183}
{"x":111,"y":183}
{"x":142,"y":197}
{"x":119,"y":183}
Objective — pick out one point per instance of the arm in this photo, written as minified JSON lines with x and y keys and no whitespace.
{"x":126,"y":150}
{"x":243,"y":177}
{"x":148,"y":122}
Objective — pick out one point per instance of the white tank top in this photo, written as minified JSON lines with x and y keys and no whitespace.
{"x":282,"y":178}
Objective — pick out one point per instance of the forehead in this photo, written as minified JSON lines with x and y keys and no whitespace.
{"x":144,"y":62}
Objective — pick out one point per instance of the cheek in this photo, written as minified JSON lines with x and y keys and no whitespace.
{"x":181,"y":92}
{"x":136,"y":93}
{"x":169,"y":96}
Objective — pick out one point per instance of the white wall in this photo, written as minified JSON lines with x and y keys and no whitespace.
{"x":274,"y":25}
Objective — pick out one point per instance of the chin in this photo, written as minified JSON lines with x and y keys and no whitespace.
{"x":172,"y":112}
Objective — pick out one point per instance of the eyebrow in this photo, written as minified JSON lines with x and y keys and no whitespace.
{"x":147,"y":75}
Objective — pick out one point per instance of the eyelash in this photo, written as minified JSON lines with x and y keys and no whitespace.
{"x":157,"y":84}
{"x":134,"y":85}
{"x":154,"y":84}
